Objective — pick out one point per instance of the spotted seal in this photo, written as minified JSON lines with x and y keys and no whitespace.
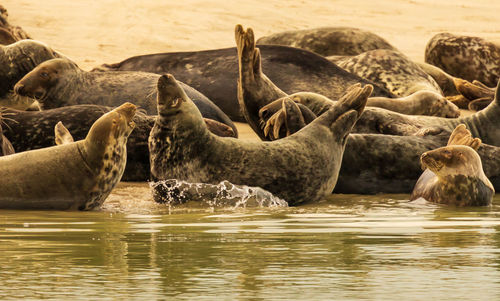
{"x":327,"y":41}
{"x":454,"y":173}
{"x":302,"y":167}
{"x":215,"y":72}
{"x":16,"y":60}
{"x":78,"y":175}
{"x":470,"y":58}
{"x":60,"y":82}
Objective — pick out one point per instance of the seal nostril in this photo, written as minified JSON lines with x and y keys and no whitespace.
{"x":19,"y":89}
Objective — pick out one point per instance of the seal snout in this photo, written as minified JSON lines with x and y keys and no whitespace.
{"x":128,"y":110}
{"x":19,"y":89}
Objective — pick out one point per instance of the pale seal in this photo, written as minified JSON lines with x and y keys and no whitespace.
{"x":60,"y":82}
{"x":470,"y":58}
{"x":454,"y":173}
{"x":302,"y":167}
{"x":78,"y":175}
{"x":328,"y":41}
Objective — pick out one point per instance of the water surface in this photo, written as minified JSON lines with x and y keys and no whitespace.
{"x":348,"y":246}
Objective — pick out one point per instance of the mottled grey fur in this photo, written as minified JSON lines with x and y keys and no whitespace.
{"x":328,"y":41}
{"x":470,"y":58}
{"x":302,"y":167}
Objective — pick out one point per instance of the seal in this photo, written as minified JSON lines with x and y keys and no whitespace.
{"x":215,"y":72}
{"x":16,"y":60}
{"x":383,"y":157}
{"x":60,"y":82}
{"x":315,"y":151}
{"x":469,"y":58}
{"x":78,"y":175}
{"x":454,"y":173}
{"x":10,"y":33}
{"x":328,"y":41}
{"x":28,"y":130}
{"x":392,"y":70}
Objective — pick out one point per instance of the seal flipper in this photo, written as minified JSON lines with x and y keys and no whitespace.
{"x":480,"y":103}
{"x":220,"y":129}
{"x":62,"y":134}
{"x":255,"y":90}
{"x":462,"y":136}
{"x":294,"y":120}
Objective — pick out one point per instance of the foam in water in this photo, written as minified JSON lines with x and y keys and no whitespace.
{"x":224,"y":194}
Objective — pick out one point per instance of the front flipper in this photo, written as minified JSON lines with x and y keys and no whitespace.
{"x":462,"y":136}
{"x":220,"y":129}
{"x":62,"y":135}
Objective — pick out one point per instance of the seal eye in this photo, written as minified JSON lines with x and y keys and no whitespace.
{"x":44,"y":74}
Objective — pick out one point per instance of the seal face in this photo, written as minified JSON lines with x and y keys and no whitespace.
{"x":301,"y":167}
{"x":77,"y":175}
{"x":454,"y":174}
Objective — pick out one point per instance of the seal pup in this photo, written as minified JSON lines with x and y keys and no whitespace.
{"x":215,"y":72}
{"x":392,"y":70}
{"x":60,"y":82}
{"x":454,"y":173}
{"x":16,"y":60}
{"x":78,"y":175}
{"x":302,"y":167}
{"x":470,"y":58}
{"x":328,"y":41}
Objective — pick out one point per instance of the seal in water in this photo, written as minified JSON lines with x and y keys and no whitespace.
{"x":454,"y":173}
{"x":16,"y":60}
{"x":302,"y":167}
{"x":328,"y":41}
{"x":78,"y":175}
{"x":470,"y":58}
{"x":28,"y":130}
{"x":215,"y":72}
{"x":392,"y":70}
{"x":60,"y":82}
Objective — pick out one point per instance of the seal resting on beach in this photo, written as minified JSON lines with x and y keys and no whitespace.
{"x":60,"y":82}
{"x":454,"y":173}
{"x":470,"y":58}
{"x":327,"y":41}
{"x":302,"y":167}
{"x":78,"y":175}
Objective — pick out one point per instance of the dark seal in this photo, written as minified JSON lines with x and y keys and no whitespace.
{"x":299,"y":168}
{"x":60,"y":82}
{"x":78,"y":175}
{"x":454,"y":173}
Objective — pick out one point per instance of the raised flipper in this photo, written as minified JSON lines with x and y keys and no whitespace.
{"x":62,"y":135}
{"x":462,"y":136}
{"x":255,"y":90}
{"x":473,"y":91}
{"x":219,"y":128}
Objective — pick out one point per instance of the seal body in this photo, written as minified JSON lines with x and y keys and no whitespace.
{"x":78,"y":175}
{"x":328,"y":41}
{"x":302,"y":167}
{"x":60,"y":82}
{"x":391,"y":69}
{"x":454,"y":176}
{"x":215,"y":72}
{"x":470,"y":58}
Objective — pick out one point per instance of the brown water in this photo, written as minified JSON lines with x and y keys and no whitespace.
{"x":347,"y":247}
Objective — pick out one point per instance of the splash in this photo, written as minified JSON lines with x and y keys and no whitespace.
{"x":224,"y":194}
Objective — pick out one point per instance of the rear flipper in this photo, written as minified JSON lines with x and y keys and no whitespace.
{"x":462,"y":136}
{"x":220,"y":129}
{"x":62,"y":134}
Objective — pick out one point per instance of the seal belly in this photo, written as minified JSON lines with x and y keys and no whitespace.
{"x":49,"y":178}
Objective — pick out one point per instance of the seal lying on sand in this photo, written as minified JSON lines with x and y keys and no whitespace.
{"x":470,"y":58}
{"x":327,"y":41}
{"x":454,"y":173}
{"x":392,"y":70}
{"x":60,"y":82}
{"x":29,"y":130}
{"x":78,"y":175}
{"x":299,"y":168}
{"x":215,"y":72}
{"x":16,"y":60}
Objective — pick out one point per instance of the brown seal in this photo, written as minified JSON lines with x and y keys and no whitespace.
{"x":78,"y":175}
{"x":302,"y":167}
{"x":470,"y":58}
{"x":454,"y":173}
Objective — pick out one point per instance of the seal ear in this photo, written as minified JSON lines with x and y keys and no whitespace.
{"x":462,"y":136}
{"x":62,"y":135}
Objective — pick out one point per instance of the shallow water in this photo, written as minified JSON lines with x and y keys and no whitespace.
{"x":349,"y":246}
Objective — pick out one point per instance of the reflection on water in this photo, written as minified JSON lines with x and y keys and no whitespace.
{"x":372,"y":247}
